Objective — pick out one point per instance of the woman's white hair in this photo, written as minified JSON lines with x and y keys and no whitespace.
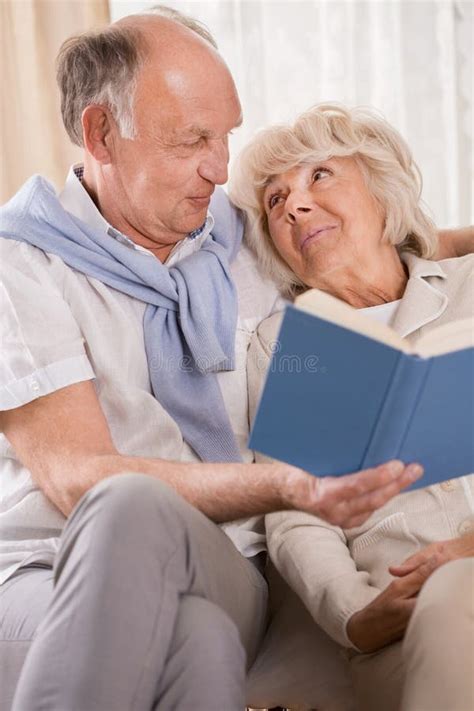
{"x":323,"y":132}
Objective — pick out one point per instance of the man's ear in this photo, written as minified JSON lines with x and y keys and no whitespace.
{"x":97,"y":126}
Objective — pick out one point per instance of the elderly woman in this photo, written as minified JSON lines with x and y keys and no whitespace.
{"x":333,"y":202}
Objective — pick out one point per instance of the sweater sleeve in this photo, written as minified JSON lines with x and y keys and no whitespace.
{"x":315,"y":560}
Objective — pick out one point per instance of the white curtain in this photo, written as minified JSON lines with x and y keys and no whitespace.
{"x":411,"y":59}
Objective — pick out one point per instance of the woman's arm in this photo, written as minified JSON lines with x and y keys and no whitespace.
{"x":314,"y":559}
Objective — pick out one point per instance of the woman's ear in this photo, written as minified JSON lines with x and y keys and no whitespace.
{"x":97,"y":125}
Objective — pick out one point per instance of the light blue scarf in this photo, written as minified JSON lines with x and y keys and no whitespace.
{"x":190,"y":321}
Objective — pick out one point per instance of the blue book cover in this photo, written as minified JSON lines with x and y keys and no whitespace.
{"x":337,"y":400}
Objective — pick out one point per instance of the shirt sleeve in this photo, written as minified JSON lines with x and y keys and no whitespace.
{"x":42,"y":348}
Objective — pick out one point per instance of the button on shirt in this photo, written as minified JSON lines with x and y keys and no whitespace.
{"x":60,"y":327}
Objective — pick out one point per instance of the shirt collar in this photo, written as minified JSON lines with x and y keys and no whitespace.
{"x":419,"y":268}
{"x":76,"y":200}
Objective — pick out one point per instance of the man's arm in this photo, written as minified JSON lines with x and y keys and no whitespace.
{"x":65,"y":442}
{"x":455,"y":243}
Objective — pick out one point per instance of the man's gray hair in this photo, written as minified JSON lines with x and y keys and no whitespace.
{"x":101,"y":67}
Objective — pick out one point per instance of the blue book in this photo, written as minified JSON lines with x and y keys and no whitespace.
{"x":345,"y":393}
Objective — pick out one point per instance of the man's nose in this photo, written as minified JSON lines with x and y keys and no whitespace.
{"x":213,"y":166}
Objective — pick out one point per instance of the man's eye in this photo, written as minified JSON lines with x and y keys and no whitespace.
{"x":273,"y":200}
{"x":194,"y":144}
{"x":321,"y":173}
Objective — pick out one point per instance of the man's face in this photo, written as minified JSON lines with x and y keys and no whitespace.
{"x":163,"y":179}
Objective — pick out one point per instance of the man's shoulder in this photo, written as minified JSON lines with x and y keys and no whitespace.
{"x":19,"y":258}
{"x":19,"y":255}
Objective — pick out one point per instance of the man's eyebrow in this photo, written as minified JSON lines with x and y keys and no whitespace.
{"x":197,"y":130}
{"x":194,"y":130}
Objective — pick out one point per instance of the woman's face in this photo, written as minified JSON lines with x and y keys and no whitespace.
{"x":323,"y":221}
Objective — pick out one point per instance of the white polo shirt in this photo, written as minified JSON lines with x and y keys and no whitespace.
{"x":59,"y":327}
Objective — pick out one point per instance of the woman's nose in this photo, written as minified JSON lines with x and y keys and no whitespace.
{"x":297,"y":210}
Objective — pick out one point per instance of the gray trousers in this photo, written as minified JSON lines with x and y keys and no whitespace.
{"x":149,"y":606}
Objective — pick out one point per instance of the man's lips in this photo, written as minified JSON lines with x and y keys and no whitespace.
{"x":201,"y":198}
{"x":314,"y":235}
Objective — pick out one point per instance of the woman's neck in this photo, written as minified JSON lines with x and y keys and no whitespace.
{"x":371,"y":283}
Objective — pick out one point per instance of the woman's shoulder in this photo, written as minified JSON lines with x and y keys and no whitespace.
{"x":452,"y":277}
{"x":458,"y":267}
{"x":458,"y":284}
{"x":457,"y":271}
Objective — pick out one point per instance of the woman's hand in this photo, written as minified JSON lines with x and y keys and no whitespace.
{"x":347,"y":501}
{"x":385,"y":619}
{"x":440,"y":553}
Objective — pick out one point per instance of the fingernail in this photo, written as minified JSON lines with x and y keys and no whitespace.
{"x":414,"y":471}
{"x":395,"y":467}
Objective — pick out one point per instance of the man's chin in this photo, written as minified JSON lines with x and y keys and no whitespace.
{"x":195,"y":217}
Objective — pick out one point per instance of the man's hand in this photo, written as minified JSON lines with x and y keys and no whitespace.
{"x":347,"y":501}
{"x":438,"y":553}
{"x":385,"y":619}
{"x":455,"y":243}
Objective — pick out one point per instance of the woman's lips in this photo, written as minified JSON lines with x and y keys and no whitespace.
{"x":314,"y":235}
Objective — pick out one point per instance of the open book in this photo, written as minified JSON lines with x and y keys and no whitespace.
{"x":344,"y":392}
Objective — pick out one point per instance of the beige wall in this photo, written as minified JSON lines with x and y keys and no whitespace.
{"x":32,"y":138}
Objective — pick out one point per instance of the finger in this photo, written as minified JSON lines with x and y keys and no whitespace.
{"x":400,"y":571}
{"x":351,"y":497}
{"x":438,"y":549}
{"x":411,"y":584}
{"x":408,"y":566}
{"x":366,"y":480}
{"x":358,"y":486}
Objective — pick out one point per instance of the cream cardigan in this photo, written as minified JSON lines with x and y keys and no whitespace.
{"x":338,"y":571}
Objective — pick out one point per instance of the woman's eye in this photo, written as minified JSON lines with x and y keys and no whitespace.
{"x":320,"y":173}
{"x":273,"y":200}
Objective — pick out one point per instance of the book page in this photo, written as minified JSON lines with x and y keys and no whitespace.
{"x":327,"y":307}
{"x":447,"y":338}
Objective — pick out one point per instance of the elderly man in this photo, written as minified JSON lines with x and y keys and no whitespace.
{"x":122,"y":388}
